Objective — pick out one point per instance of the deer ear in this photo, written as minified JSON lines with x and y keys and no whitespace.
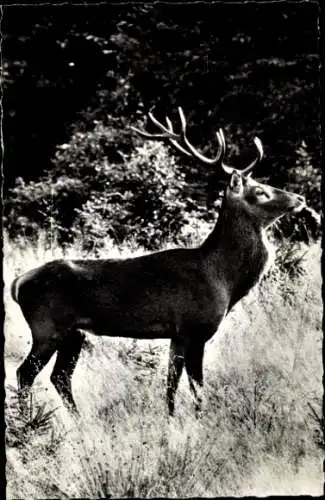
{"x":236,"y":183}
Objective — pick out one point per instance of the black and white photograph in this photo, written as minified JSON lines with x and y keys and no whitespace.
{"x":162,"y":245}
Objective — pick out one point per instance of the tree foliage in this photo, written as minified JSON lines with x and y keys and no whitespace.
{"x":140,"y":197}
{"x":76,"y":77}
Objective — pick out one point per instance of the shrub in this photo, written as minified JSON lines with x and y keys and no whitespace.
{"x":47,"y":204}
{"x":96,"y":189}
{"x":140,"y":199}
{"x":305,"y":179}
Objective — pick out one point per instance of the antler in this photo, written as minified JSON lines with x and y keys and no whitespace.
{"x":190,"y":150}
{"x":258,"y":143}
{"x":247,"y":170}
{"x":167,"y":133}
{"x":193,"y":150}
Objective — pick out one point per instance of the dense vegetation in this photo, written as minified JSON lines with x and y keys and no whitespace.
{"x":74,"y":79}
{"x":73,"y":84}
{"x":261,"y":432}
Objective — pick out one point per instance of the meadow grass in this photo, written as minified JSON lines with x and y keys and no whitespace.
{"x":261,"y":429}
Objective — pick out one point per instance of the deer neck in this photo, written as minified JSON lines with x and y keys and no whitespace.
{"x":236,"y":249}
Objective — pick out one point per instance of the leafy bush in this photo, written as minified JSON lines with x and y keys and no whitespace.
{"x":95,"y":190}
{"x":140,"y":199}
{"x":47,"y":204}
{"x":306,"y":176}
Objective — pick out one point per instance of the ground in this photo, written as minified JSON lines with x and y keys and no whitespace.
{"x":261,"y":429}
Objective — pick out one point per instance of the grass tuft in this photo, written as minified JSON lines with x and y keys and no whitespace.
{"x":261,"y":432}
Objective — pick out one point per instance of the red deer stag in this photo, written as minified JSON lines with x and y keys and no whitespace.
{"x":180,"y":294}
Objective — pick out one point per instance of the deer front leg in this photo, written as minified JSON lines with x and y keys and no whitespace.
{"x":175,"y":368}
{"x":194,"y":366}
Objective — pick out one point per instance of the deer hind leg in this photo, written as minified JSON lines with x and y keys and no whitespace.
{"x":194,"y":366}
{"x":41,"y":352}
{"x":67,"y":357}
{"x":175,"y":368}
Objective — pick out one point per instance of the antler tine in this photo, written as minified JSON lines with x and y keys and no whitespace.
{"x":169,"y":131}
{"x":222,"y":140}
{"x":173,"y":142}
{"x":193,"y":150}
{"x":166,"y":133}
{"x":259,"y":145}
{"x":148,"y":135}
{"x":222,"y":143}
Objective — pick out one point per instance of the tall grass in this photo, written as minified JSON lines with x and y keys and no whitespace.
{"x":261,"y":430}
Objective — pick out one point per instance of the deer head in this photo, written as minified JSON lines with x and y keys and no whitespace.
{"x":262,"y":203}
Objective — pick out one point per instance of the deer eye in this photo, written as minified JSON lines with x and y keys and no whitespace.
{"x":260,"y":192}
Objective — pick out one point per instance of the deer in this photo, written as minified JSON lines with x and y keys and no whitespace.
{"x":178,"y":294}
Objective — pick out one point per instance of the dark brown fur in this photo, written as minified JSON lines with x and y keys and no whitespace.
{"x":181,"y":294}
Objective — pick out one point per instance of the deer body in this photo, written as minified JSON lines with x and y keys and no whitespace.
{"x":153,"y":296}
{"x":181,"y":294}
{"x":138,"y":297}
